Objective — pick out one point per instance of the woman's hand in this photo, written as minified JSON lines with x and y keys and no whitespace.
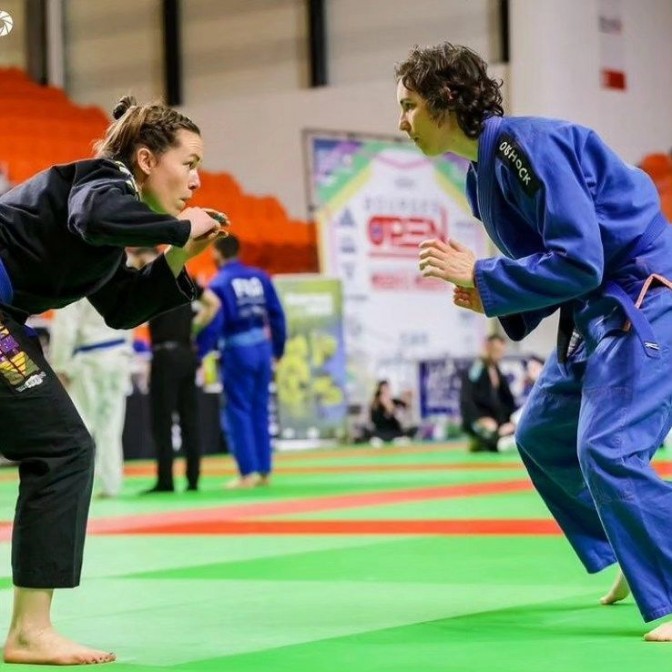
{"x":206,"y":226}
{"x":218,"y":223}
{"x":202,"y":223}
{"x":450,"y":261}
{"x":469,"y":298}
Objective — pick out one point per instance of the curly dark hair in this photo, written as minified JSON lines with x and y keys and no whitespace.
{"x":453,"y":78}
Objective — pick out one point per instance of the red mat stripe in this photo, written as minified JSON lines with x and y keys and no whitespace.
{"x":352,"y":527}
{"x":279,"y":508}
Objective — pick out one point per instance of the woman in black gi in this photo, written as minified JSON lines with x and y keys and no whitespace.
{"x":62,"y":237}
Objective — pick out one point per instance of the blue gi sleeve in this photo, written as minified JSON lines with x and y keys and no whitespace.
{"x":207,"y":339}
{"x":561,"y":210}
{"x":276,"y":318}
{"x":520,"y":325}
{"x":131,"y":297}
{"x":104,"y":209}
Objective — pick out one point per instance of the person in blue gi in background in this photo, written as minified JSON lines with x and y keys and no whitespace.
{"x":580,"y":231}
{"x":250,"y":332}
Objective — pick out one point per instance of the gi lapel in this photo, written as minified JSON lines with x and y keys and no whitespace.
{"x":487,"y":181}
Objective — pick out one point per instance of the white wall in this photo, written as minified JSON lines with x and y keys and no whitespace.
{"x":229,"y":48}
{"x":113,"y":49}
{"x":234,"y":47}
{"x":365,"y":36}
{"x":555,"y":70}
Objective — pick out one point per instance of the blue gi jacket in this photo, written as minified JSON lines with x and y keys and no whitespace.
{"x":569,"y":217}
{"x":249,"y":305}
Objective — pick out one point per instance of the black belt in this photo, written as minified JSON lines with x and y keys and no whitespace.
{"x":568,"y":337}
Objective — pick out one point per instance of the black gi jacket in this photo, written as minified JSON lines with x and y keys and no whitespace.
{"x":62,"y":237}
{"x":479,"y":399}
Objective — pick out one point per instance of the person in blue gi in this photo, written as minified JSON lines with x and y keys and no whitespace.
{"x":250,"y":333}
{"x":62,"y":237}
{"x":580,"y":231}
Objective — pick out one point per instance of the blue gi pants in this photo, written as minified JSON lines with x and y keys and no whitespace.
{"x":587,"y":435}
{"x":246,"y":374}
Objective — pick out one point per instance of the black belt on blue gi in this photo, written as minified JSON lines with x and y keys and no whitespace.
{"x":612,"y":289}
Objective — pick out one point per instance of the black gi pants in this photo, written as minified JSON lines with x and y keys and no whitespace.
{"x":42,"y":431}
{"x":172,"y":389}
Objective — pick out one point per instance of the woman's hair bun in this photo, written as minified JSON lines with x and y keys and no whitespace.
{"x":123,"y":105}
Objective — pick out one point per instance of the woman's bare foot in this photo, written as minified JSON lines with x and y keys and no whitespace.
{"x":32,"y":638}
{"x":619,"y":591}
{"x":264,"y":480}
{"x":47,"y":647}
{"x":663,"y":633}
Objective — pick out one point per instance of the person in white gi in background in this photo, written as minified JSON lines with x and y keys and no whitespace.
{"x":93,"y":362}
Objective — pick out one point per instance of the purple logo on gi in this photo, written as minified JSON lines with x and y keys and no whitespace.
{"x":9,"y":346}
{"x":16,"y":367}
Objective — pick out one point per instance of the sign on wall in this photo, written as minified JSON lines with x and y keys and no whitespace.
{"x":374,"y":200}
{"x":612,"y":45}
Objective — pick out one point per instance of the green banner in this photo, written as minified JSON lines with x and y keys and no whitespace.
{"x":311,"y":377}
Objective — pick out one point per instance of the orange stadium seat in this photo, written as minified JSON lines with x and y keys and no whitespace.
{"x":666,"y":204}
{"x":658,"y":166}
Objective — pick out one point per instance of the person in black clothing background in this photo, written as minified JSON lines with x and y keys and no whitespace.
{"x":62,"y":237}
{"x":172,"y":382}
{"x":384,"y":414}
{"x":486,"y":402}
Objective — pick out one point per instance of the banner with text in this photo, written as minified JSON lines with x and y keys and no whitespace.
{"x":374,"y":200}
{"x":310,"y":378}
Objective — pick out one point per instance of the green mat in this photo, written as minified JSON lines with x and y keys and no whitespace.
{"x":344,"y":602}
